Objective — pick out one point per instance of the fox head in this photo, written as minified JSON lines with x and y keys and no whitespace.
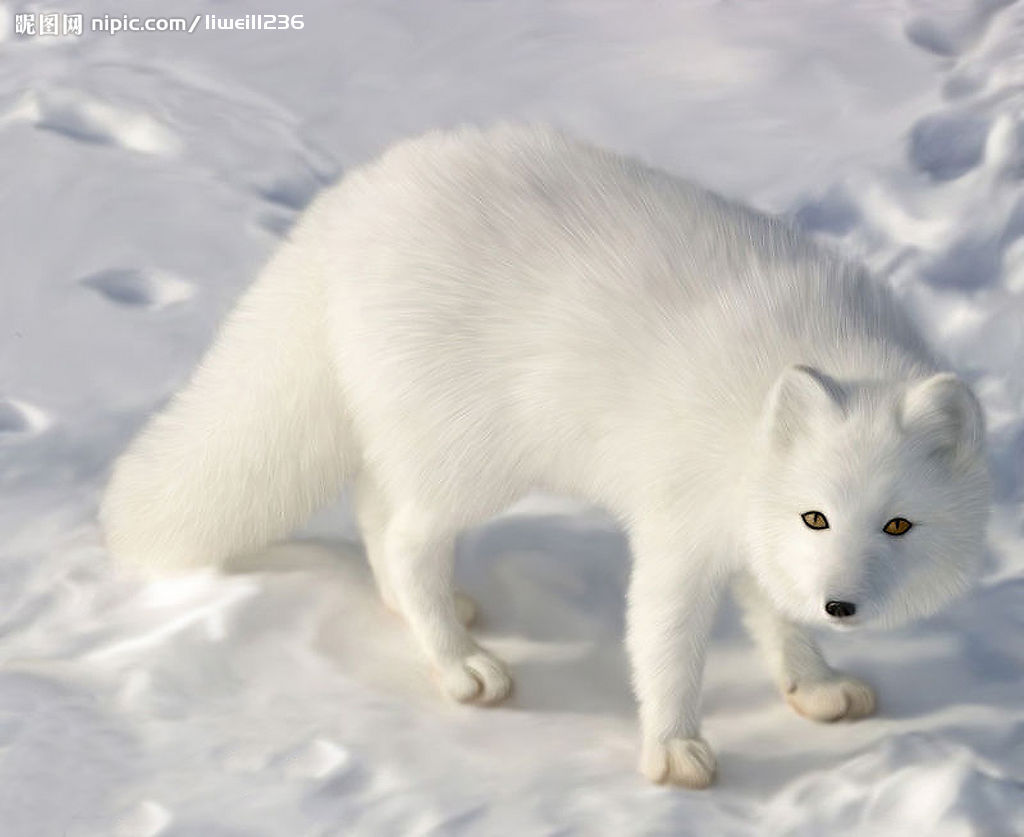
{"x":869,"y":500}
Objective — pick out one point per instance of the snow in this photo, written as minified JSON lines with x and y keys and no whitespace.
{"x":145,"y":179}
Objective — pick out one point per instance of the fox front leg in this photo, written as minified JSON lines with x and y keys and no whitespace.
{"x":673,"y":597}
{"x":807,"y":682}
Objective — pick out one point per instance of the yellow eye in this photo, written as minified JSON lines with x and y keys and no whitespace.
{"x":897,"y":526}
{"x":815,"y":520}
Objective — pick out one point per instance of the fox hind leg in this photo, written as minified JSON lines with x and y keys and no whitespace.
{"x":373,"y":515}
{"x":419,"y":551}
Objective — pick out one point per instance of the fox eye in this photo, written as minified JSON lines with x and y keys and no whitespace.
{"x":897,"y":526}
{"x":816,"y":520}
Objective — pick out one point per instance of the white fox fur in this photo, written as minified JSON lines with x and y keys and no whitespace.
{"x":482,"y":313}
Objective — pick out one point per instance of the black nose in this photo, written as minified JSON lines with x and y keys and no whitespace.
{"x":840,"y":609}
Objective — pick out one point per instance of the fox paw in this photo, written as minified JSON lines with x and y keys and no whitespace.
{"x":687,"y":762}
{"x":841,"y":699}
{"x":479,"y":678}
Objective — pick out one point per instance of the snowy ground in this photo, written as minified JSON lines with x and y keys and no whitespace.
{"x":145,"y":177}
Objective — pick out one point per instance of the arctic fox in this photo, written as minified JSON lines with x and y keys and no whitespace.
{"x":478,"y":314}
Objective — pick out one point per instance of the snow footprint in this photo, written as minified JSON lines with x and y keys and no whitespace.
{"x":951,"y":31}
{"x":85,"y":119}
{"x":135,"y":288}
{"x":18,"y":418}
{"x":291,"y":190}
{"x":834,"y":213}
{"x":147,"y":819}
{"x":317,"y":760}
{"x":946,"y":146}
{"x":288,"y":193}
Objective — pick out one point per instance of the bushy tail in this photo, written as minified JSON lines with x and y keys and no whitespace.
{"x":251,"y":446}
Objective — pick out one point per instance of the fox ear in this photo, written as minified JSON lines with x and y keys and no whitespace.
{"x":802,"y":396}
{"x":943,"y":412}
